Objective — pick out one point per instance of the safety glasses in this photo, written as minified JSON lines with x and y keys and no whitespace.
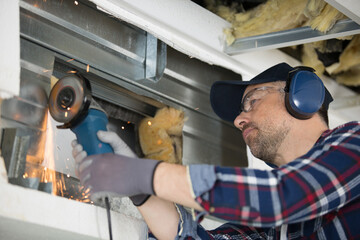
{"x":255,"y":95}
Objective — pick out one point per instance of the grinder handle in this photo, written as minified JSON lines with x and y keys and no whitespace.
{"x":86,"y":130}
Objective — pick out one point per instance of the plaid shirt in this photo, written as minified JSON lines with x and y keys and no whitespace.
{"x":316,"y":196}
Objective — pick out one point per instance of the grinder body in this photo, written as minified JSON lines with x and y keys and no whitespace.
{"x":86,"y":131}
{"x":70,"y":102}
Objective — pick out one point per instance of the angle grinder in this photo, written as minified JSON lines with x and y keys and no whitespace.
{"x":70,"y":102}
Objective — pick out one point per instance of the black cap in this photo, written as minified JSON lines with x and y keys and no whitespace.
{"x":226,"y":96}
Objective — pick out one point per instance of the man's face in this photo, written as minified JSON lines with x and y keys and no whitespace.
{"x":264,"y":122}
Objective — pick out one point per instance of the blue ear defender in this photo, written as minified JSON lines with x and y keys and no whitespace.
{"x":304,"y":93}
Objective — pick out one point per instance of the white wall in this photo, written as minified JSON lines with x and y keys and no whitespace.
{"x":10,"y":48}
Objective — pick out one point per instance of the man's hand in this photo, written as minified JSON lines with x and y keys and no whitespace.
{"x":117,"y":144}
{"x":119,"y":147}
{"x":116,"y":175}
{"x":78,"y":154}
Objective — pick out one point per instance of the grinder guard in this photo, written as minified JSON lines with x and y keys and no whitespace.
{"x":70,"y":103}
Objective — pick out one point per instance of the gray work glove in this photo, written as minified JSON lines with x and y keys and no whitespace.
{"x":117,"y":144}
{"x":119,"y":147}
{"x":109,"y":174}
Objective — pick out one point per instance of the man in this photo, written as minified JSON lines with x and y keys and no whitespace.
{"x":313,"y":192}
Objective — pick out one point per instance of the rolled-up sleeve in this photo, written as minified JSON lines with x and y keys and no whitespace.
{"x":188,"y":227}
{"x":202,"y":178}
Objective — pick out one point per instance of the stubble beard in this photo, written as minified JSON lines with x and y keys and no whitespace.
{"x":266,"y":140}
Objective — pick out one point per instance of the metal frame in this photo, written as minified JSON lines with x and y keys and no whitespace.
{"x":291,"y":38}
{"x":143,"y":55}
{"x":59,"y":32}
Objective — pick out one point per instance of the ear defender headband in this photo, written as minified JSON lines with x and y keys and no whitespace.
{"x":304,"y":92}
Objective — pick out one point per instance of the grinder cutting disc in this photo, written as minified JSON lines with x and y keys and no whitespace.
{"x":69,"y":100}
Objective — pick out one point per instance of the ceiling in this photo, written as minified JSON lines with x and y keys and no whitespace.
{"x":268,"y":22}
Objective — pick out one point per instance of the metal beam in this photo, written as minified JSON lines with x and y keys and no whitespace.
{"x":291,"y":38}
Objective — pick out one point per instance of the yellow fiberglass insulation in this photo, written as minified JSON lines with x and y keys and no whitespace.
{"x":279,"y":15}
{"x":272,"y":16}
{"x":347,"y":71}
{"x":276,"y":15}
{"x":161,"y":136}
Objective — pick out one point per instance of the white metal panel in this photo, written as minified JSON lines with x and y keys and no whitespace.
{"x":30,"y":214}
{"x":10,"y":50}
{"x":351,"y":8}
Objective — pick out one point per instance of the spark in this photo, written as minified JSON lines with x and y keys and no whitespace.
{"x":88,"y":68}
{"x":70,"y":60}
{"x":122,"y":127}
{"x":76,"y":3}
{"x":149,"y":123}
